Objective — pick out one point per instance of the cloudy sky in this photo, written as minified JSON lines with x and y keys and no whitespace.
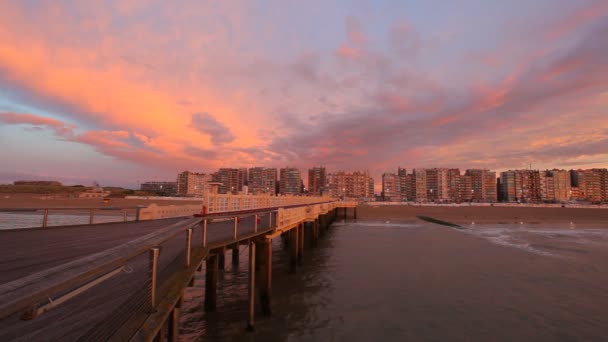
{"x":128,"y":91}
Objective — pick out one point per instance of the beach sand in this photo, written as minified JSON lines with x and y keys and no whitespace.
{"x":489,"y":215}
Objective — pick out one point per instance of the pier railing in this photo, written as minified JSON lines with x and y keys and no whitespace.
{"x":51,"y":216}
{"x":131,"y":280}
{"x":224,"y":203}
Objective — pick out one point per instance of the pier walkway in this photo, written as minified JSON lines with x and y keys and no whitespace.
{"x":125,"y":281}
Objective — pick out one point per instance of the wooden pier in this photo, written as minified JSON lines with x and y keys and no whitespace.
{"x":125,"y":281}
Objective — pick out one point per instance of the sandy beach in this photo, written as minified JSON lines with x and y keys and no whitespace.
{"x":490,"y":215}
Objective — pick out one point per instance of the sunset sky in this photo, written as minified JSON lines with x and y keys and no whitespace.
{"x":126,"y":91}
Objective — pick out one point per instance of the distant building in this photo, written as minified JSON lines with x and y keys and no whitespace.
{"x":161,"y":188}
{"x":391,"y":188}
{"x":229,"y":179}
{"x":521,"y":185}
{"x":95,"y":192}
{"x":555,"y":185}
{"x":290,"y":181}
{"x":420,"y":184}
{"x":437,"y":185}
{"x":192,"y":184}
{"x":483,"y":185}
{"x":454,"y":185}
{"x":592,"y":184}
{"x":262,"y":180}
{"x":317,"y":181}
{"x":350,"y":185}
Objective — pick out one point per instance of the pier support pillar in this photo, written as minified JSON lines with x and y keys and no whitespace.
{"x":293,"y":248}
{"x":173,"y":334}
{"x":235,"y":256}
{"x":251,"y":320}
{"x":211,"y":275}
{"x":160,"y":336}
{"x":355,"y":213}
{"x":315,"y":229}
{"x":222,"y":260}
{"x":300,"y":242}
{"x":345,"y":213}
{"x":265,"y":275}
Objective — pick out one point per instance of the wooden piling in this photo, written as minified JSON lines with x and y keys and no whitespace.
{"x":251,"y":320}
{"x":235,"y":256}
{"x":222,"y":260}
{"x":300,"y":243}
{"x":211,"y":276}
{"x":355,"y":213}
{"x":265,"y":275}
{"x":293,"y":247}
{"x":173,"y":333}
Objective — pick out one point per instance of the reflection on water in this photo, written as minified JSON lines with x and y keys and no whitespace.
{"x":369,"y":281}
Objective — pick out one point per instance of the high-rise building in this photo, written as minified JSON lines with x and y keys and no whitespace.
{"x":192,"y":184}
{"x":317,"y":181}
{"x":391,"y":189}
{"x":232,"y":180}
{"x":483,"y":185}
{"x":351,"y":185}
{"x":241,"y":179}
{"x":521,"y":185}
{"x":420,"y":194}
{"x":507,"y":182}
{"x":454,"y":179}
{"x":555,"y":185}
{"x":437,"y":184}
{"x":262,"y":180}
{"x":466,"y":187}
{"x":290,"y":181}
{"x":592,"y":184}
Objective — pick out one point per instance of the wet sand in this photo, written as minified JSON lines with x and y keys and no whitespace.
{"x":488,"y":215}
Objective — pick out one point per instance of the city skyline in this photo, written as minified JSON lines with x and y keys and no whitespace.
{"x":124,"y":92}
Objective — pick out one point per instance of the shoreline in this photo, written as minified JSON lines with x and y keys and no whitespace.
{"x":486,"y":214}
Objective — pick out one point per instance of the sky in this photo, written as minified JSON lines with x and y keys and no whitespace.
{"x":122,"y":92}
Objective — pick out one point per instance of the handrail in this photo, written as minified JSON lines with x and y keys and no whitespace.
{"x":25,"y":292}
{"x":91,"y":212}
{"x":69,"y":208}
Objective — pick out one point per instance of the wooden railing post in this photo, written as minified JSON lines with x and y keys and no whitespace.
{"x":236,"y":223}
{"x":91,"y":216}
{"x":124,"y":213}
{"x":250,"y":322}
{"x":188,"y":246}
{"x":153,"y":273}
{"x":45,"y":219}
{"x":255,"y":225}
{"x":204,"y":233}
